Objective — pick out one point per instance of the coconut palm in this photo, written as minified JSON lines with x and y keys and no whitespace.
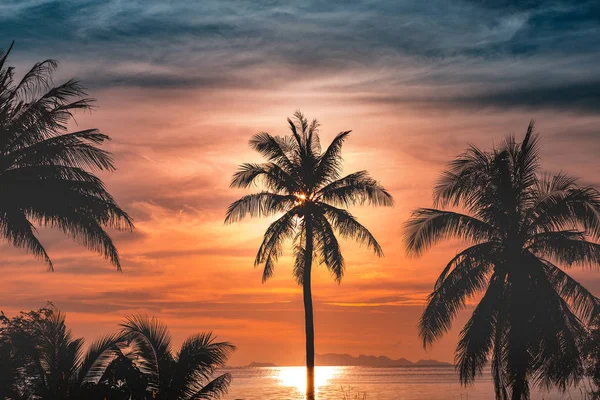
{"x":186,"y":375}
{"x":521,"y":225}
{"x":305,"y":184}
{"x":45,"y":361}
{"x":46,"y":172}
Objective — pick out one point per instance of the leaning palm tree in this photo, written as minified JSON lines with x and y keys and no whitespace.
{"x":186,"y":375}
{"x":521,"y":226}
{"x":305,"y":184}
{"x":46,"y":172}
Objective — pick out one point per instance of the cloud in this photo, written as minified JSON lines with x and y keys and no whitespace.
{"x":580,"y":97}
{"x":215,"y":45}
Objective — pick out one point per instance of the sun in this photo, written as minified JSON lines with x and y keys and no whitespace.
{"x":296,"y":377}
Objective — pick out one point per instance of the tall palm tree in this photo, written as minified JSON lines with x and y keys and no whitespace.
{"x":305,"y":184}
{"x":186,"y":375}
{"x":46,"y":172}
{"x":521,"y":225}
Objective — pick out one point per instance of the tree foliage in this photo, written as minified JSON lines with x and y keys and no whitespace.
{"x":46,"y":171}
{"x":524,"y":229}
{"x":301,"y":180}
{"x":41,"y":359}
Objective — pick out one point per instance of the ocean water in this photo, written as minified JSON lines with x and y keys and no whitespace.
{"x":346,"y":383}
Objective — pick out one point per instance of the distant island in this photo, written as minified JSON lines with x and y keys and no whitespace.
{"x":346,"y":360}
{"x":373,"y":361}
{"x":260,"y":365}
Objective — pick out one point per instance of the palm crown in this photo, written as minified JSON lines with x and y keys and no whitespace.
{"x":185,"y":375}
{"x":45,"y":172}
{"x":303,"y":181}
{"x":521,"y":224}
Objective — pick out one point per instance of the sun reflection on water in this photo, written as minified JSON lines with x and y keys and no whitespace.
{"x":296,"y":377}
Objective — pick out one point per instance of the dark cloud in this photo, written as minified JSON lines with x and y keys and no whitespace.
{"x":577,"y":96}
{"x":581,"y":97}
{"x":226,"y":44}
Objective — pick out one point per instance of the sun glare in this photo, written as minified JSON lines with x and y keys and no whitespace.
{"x":296,"y":377}
{"x":300,"y":198}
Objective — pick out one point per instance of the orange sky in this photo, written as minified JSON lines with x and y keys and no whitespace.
{"x":175,"y":157}
{"x":182,"y":86}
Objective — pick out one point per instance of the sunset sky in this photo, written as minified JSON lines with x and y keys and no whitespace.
{"x":182,"y":86}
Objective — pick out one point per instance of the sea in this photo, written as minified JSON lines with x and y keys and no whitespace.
{"x":367,"y":383}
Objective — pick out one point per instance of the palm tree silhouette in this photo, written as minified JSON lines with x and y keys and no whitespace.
{"x":305,"y":184}
{"x":184,"y":376}
{"x":45,"y":171}
{"x":49,"y":360}
{"x":520,"y":225}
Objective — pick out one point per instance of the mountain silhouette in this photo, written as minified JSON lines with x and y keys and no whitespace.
{"x":372,"y":361}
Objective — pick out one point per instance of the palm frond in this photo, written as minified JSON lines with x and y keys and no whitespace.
{"x":16,"y":228}
{"x":582,"y":301}
{"x":271,"y":247}
{"x":428,"y":226}
{"x":151,"y":341}
{"x":465,"y":280}
{"x":329,"y":166}
{"x":261,"y":204}
{"x":4,"y":55}
{"x":328,"y":248}
{"x":567,"y":247}
{"x":76,"y":149}
{"x":348,"y":227}
{"x":275,"y":149}
{"x":525,"y":159}
{"x":477,"y":338}
{"x":214,"y":389}
{"x":196,"y":362}
{"x":59,"y":353}
{"x":45,"y":117}
{"x":478,"y":254}
{"x":299,"y":263}
{"x":271,"y":175}
{"x":558,"y":331}
{"x":462,"y":182}
{"x":546,"y":187}
{"x":98,"y":358}
{"x":296,"y":127}
{"x":38,"y":77}
{"x":356,"y":189}
{"x":567,"y":209}
{"x":313,"y":139}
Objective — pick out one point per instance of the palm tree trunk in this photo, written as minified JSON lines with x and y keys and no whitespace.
{"x":308,"y":313}
{"x":518,"y":392}
{"x":520,"y":331}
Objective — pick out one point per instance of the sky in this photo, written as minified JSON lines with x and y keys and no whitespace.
{"x":182,"y":86}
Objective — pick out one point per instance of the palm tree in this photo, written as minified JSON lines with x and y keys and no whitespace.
{"x":46,"y":172}
{"x":305,"y":184}
{"x":45,"y":361}
{"x":520,"y":225}
{"x":187,"y":375}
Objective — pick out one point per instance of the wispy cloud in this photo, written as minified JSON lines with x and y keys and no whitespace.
{"x":492,"y":53}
